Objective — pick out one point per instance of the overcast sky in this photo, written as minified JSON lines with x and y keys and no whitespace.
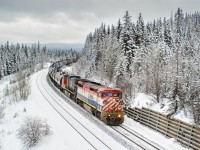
{"x":69,"y":21}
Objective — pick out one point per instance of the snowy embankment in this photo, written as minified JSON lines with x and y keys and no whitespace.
{"x":35,"y":106}
{"x":149,"y":101}
{"x":63,"y":136}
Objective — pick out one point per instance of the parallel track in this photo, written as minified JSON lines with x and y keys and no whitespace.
{"x":92,"y":145}
{"x":136,"y":139}
{"x":141,"y":142}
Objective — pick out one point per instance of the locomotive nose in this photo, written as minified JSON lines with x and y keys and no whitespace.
{"x":113,"y":104}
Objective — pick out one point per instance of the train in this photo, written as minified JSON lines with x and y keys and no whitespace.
{"x":103,"y":102}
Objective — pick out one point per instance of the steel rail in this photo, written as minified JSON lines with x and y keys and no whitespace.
{"x":72,"y":117}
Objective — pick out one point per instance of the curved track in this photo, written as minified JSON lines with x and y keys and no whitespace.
{"x":93,"y":119}
{"x":77,"y":126}
{"x":137,"y":139}
{"x":131,"y":136}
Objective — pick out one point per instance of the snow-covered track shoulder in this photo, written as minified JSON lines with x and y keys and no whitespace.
{"x":137,"y":139}
{"x":84,"y":132}
{"x":124,"y":142}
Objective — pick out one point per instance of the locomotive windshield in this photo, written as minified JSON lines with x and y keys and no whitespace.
{"x":112,"y":94}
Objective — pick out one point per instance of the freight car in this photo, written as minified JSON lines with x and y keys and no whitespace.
{"x":104,"y":102}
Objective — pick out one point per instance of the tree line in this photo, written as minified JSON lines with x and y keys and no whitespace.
{"x":18,"y":57}
{"x":161,"y":57}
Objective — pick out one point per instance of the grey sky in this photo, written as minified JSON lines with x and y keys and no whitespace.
{"x":69,"y":21}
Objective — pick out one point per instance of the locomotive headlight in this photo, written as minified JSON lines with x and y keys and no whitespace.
{"x":119,"y":115}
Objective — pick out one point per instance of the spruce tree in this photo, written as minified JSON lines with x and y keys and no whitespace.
{"x":127,"y":42}
{"x":167,"y":33}
{"x":139,"y":31}
{"x":118,"y":30}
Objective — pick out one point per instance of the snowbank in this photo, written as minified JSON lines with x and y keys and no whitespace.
{"x":143,"y":100}
{"x":149,"y":101}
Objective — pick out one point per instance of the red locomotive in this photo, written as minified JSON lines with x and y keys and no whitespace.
{"x":104,"y":102}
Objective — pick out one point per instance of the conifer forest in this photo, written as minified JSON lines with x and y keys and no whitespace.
{"x":18,"y":57}
{"x":160,"y":57}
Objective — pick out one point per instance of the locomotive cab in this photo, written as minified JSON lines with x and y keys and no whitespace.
{"x":104,"y":102}
{"x":112,"y":106}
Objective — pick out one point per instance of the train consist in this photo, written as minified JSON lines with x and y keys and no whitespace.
{"x":104,"y":102}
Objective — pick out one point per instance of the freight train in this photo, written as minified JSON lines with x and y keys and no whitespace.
{"x":104,"y":102}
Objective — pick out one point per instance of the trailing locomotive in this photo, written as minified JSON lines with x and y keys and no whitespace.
{"x":104,"y":102}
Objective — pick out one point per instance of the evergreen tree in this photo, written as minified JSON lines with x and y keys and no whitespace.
{"x":167,"y":33}
{"x":178,"y":21}
{"x":119,"y":30}
{"x":139,"y":31}
{"x":127,"y":42}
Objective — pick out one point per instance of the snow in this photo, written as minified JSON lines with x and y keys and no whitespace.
{"x":63,"y":135}
{"x":184,"y":116}
{"x":151,"y":135}
{"x":38,"y":107}
{"x":143,"y":100}
{"x":149,"y":101}
{"x":67,"y":69}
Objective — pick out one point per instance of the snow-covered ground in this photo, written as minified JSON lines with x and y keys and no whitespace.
{"x":63,"y":134}
{"x":149,"y":101}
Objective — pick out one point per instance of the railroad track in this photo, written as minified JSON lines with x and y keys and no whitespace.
{"x":128,"y":134}
{"x":95,"y":120}
{"x":77,"y":125}
{"x":137,"y":139}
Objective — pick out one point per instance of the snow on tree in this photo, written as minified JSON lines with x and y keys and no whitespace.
{"x":140,"y":31}
{"x":160,"y":57}
{"x":15,"y":58}
{"x":32,"y":131}
{"x":127,"y":42}
{"x":118,"y":29}
{"x":167,"y":33}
